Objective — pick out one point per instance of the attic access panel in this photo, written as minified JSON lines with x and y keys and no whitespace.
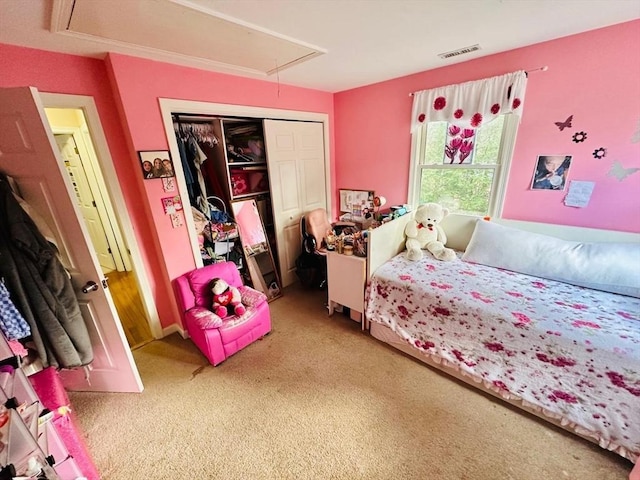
{"x":183,"y":29}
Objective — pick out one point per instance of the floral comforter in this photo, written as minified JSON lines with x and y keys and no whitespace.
{"x":569,"y":352}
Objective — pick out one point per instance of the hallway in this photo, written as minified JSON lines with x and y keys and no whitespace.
{"x":129,"y":306}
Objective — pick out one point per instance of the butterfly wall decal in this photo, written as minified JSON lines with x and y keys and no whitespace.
{"x":618,"y":171}
{"x":565,"y":124}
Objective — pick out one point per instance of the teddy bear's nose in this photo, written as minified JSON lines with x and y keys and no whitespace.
{"x":429,"y":225}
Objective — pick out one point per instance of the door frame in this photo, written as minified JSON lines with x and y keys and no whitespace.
{"x":169,"y":106}
{"x":105,"y":210}
{"x":88,"y":107}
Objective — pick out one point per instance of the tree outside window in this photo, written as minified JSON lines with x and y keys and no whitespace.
{"x":464,"y":171}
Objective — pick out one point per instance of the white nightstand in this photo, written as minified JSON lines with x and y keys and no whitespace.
{"x":346,"y":279}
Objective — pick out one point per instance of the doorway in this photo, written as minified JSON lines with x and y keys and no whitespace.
{"x":82,"y":163}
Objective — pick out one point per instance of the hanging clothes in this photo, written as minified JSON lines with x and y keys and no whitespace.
{"x":40,"y":287}
{"x":186,"y":169}
{"x":198,"y":159}
{"x":12,"y":323}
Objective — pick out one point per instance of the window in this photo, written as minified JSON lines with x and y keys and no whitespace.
{"x":473,"y":185}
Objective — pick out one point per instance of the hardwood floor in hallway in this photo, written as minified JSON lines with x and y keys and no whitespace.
{"x":126,"y":297}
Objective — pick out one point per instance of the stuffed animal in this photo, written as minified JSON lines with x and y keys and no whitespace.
{"x":226,"y":299}
{"x":424,"y":232}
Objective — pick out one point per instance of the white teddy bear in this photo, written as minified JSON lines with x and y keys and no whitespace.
{"x":424,"y":232}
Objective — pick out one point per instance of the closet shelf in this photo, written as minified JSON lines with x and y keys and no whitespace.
{"x":249,"y":195}
{"x":241,"y":164}
{"x":246,"y":167}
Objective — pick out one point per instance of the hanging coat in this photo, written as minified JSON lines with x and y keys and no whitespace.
{"x":40,"y":287}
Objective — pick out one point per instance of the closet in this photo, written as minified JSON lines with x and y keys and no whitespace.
{"x":280,"y":164}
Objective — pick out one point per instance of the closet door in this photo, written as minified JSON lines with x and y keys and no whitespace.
{"x":296,"y":163}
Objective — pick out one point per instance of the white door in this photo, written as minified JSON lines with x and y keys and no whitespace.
{"x":295,"y":158}
{"x":85,"y":200}
{"x":29,"y":154}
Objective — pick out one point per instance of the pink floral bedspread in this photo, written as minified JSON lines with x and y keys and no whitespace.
{"x":570,"y":352}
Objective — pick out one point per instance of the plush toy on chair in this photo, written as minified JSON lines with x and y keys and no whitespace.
{"x":216,"y":338}
{"x":425,"y":233}
{"x":226,"y":299}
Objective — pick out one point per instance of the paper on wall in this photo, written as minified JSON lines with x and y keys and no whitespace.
{"x":168,"y":184}
{"x":176,"y":220}
{"x":579,"y":193}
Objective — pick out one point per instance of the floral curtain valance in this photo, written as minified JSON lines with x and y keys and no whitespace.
{"x":470,"y":104}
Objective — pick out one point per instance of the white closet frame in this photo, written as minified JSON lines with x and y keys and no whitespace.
{"x":169,"y":106}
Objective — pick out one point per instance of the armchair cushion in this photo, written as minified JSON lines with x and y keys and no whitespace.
{"x":250,"y":297}
{"x":203,"y":318}
{"x":200,"y":279}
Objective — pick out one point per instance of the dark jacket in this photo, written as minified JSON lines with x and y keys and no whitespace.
{"x":40,"y":287}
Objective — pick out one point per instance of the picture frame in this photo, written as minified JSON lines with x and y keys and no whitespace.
{"x":358,"y":203}
{"x":551,"y":172}
{"x":156,"y":164}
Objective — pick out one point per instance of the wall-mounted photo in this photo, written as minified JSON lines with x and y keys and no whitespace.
{"x":551,"y":172}
{"x":156,"y":164}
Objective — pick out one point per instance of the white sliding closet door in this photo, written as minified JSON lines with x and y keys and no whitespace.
{"x":296,"y":163}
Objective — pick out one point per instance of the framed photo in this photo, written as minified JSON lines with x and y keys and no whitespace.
{"x":551,"y":172}
{"x":156,"y":164}
{"x":359,"y":203}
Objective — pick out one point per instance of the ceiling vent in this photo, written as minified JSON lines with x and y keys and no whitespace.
{"x":460,"y":51}
{"x":180,"y":29}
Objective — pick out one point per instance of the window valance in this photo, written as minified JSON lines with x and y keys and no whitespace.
{"x":470,"y":104}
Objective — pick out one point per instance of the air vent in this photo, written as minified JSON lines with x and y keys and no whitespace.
{"x":460,"y":51}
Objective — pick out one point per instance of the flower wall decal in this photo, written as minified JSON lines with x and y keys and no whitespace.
{"x":600,"y":153}
{"x":579,"y":137}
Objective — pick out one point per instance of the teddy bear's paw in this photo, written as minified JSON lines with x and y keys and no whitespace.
{"x":446,"y":255}
{"x":239,"y":309}
{"x":221,"y":311}
{"x":414,"y":254}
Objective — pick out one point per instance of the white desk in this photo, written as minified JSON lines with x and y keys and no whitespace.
{"x":346,"y":279}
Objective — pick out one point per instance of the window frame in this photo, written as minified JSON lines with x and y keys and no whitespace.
{"x":501,"y":168}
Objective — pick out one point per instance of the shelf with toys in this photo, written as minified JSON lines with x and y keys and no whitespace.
{"x":37,"y":436}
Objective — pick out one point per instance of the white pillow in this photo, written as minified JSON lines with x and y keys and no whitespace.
{"x":611,"y":267}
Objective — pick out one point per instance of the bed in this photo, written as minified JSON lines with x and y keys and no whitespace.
{"x":566,"y":353}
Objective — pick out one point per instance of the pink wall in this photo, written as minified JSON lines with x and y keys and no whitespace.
{"x":126,"y":92}
{"x":139,"y":83}
{"x":594,"y":76}
{"x":589,"y":76}
{"x":84,"y":76}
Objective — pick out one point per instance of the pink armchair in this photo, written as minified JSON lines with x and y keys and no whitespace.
{"x":220,"y":338}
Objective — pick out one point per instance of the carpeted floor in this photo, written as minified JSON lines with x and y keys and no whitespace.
{"x":318,"y":399}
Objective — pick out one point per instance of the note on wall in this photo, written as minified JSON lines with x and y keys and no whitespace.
{"x":176,"y":220}
{"x":579,"y":194}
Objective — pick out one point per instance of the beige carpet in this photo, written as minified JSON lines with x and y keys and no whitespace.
{"x":318,"y":399}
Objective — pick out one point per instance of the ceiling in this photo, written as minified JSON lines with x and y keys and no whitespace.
{"x":329,"y":45}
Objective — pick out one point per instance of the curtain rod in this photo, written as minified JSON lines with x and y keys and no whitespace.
{"x":527,"y":72}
